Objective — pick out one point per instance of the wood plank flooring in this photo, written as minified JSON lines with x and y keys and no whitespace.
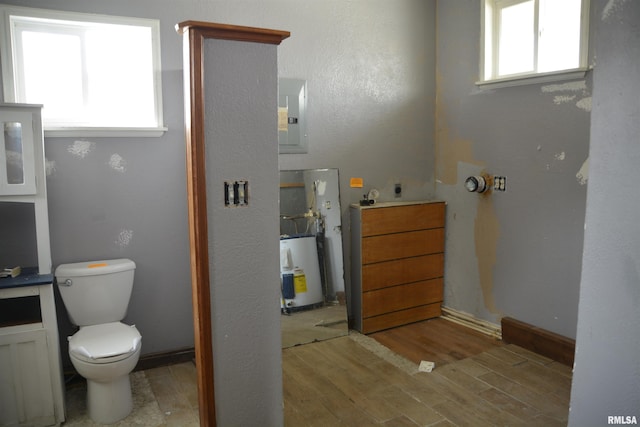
{"x":355,"y":381}
{"x":437,"y":340}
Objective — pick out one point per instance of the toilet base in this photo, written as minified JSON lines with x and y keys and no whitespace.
{"x":110,"y":402}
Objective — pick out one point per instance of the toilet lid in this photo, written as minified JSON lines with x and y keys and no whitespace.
{"x":105,"y":343}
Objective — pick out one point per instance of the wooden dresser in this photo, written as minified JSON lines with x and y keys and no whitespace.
{"x":397,"y":264}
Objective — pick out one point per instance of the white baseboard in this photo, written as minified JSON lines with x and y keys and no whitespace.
{"x":468,"y":320}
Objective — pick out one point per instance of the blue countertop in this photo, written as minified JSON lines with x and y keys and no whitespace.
{"x":28,"y":277}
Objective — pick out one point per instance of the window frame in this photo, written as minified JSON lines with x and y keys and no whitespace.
{"x":489,"y":41}
{"x":10,"y":79}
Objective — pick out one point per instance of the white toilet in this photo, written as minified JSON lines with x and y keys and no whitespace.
{"x":104,"y":350}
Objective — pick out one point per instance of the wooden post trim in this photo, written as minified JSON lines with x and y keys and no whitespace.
{"x":194,"y":34}
{"x":233,"y":32}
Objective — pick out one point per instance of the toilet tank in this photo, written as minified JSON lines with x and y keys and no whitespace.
{"x":96,"y":292}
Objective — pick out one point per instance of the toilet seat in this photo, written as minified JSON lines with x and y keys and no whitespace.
{"x":105,"y":343}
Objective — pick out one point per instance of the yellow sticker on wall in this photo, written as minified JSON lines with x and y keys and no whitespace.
{"x":356,"y":183}
{"x":300,"y":283}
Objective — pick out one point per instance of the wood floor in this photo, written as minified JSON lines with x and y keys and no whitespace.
{"x":477,"y":381}
{"x":437,"y":340}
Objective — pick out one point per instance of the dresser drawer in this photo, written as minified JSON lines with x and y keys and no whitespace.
{"x":398,"y":318}
{"x":401,"y":297}
{"x":398,"y":219}
{"x":397,"y":272}
{"x":402,"y":245}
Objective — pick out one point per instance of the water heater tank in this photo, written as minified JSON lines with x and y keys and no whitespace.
{"x":300,"y":272}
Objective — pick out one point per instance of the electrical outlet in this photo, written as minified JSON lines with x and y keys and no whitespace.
{"x":500,"y":183}
{"x":397,"y":191}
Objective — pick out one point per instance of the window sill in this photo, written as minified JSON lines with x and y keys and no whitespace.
{"x":530,"y":79}
{"x":107,"y":132}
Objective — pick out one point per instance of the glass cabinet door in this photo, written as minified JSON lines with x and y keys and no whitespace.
{"x":17,"y":162}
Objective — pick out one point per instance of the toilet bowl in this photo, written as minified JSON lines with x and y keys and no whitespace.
{"x":105,"y":355}
{"x":104,"y":350}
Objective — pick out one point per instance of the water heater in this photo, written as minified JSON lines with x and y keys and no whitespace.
{"x":299,"y":272}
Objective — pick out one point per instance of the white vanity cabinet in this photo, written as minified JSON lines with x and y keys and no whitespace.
{"x":31,"y":385}
{"x":31,"y":381}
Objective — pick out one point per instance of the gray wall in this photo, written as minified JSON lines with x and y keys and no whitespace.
{"x":606,"y":378}
{"x":516,"y":253}
{"x":241,"y":84}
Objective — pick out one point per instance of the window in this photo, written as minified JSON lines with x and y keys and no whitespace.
{"x":534,"y":38}
{"x":95,"y":75}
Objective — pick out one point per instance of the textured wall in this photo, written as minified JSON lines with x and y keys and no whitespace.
{"x":516,"y":253}
{"x":606,"y":378}
{"x":240,"y":132}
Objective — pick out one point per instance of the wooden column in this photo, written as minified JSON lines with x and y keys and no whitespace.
{"x":194,"y":34}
